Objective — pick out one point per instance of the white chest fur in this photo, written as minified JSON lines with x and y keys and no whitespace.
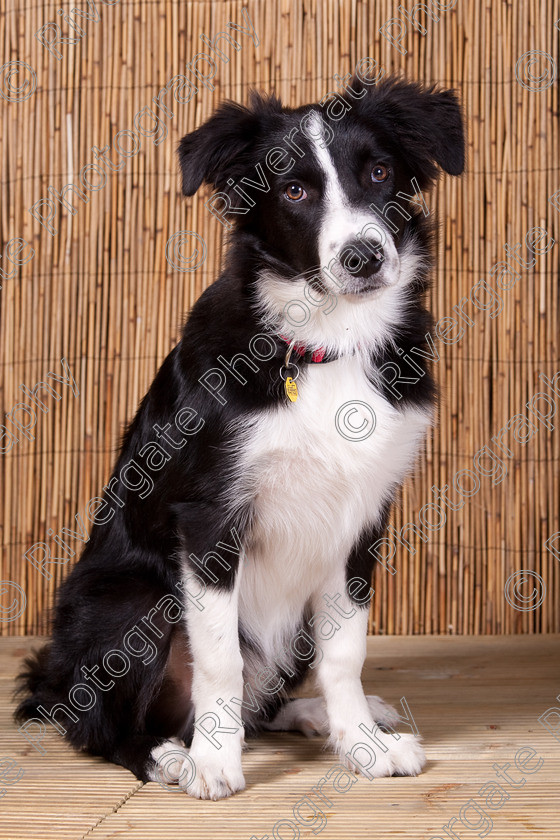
{"x":314,"y":489}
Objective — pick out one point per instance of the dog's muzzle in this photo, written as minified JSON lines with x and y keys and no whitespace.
{"x":363,"y":261}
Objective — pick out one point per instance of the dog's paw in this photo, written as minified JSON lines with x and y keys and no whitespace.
{"x":171,"y":764}
{"x":306,"y":714}
{"x":382,"y":712}
{"x":204,"y":776}
{"x":402,"y":757}
{"x":309,"y":715}
{"x":214,"y":779}
{"x":407,"y":756}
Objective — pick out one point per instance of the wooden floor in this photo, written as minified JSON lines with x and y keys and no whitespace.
{"x":475,"y":700}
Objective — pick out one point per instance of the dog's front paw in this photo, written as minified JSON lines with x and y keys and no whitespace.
{"x":201,"y":774}
{"x":214,"y":777}
{"x":402,"y":756}
{"x":407,"y":756}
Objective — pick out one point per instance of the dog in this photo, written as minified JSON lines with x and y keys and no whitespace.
{"x":228,"y":559}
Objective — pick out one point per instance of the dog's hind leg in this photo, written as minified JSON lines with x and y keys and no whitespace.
{"x":306,"y":714}
{"x":309,"y":716}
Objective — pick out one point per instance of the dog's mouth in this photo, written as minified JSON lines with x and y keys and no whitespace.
{"x":350,"y":285}
{"x":364,"y":287}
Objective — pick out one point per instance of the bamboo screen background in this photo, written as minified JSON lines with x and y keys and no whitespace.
{"x":101,"y":295}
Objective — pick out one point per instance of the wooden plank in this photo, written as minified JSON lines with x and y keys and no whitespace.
{"x":475,"y":700}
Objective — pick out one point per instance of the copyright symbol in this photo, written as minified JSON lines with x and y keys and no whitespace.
{"x":17,"y":89}
{"x":19,"y":600}
{"x":174,"y":251}
{"x":535,"y":70}
{"x":170,"y":769}
{"x":355,"y":420}
{"x":514,"y":594}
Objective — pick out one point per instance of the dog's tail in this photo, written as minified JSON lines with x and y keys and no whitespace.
{"x":33,"y":683}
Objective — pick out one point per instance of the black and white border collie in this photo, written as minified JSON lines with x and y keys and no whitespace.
{"x":229,"y":557}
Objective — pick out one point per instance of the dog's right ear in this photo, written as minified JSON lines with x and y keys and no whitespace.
{"x":221,"y":148}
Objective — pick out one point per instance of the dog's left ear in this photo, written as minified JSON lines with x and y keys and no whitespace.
{"x":427,"y":123}
{"x":221,"y":148}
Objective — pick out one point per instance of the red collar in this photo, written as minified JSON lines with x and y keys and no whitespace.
{"x":302,"y":351}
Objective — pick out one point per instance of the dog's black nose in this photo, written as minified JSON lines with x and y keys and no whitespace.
{"x":361,"y":259}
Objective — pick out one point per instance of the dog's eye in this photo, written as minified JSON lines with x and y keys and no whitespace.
{"x":379,"y":173}
{"x":295,"y":192}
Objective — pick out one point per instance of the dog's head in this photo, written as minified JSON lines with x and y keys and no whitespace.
{"x":328,"y":192}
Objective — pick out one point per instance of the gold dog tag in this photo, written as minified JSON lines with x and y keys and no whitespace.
{"x":291,"y":389}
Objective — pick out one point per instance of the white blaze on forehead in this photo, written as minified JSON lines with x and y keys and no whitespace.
{"x":341,"y":222}
{"x":318,"y":138}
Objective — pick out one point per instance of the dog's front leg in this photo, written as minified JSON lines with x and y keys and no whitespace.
{"x":354,"y":735}
{"x":217,"y":676}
